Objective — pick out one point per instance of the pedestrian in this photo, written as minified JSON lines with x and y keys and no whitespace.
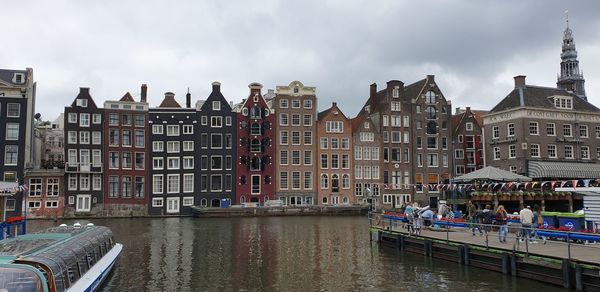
{"x":409,"y":215}
{"x":526,"y":216}
{"x":487,"y":218}
{"x":502,"y":221}
{"x":538,"y":222}
{"x":427,"y":217}
{"x":472,"y":217}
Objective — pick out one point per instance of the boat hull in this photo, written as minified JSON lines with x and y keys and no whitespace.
{"x":93,"y":279}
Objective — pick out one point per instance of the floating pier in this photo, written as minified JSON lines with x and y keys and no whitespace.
{"x":570,"y":265}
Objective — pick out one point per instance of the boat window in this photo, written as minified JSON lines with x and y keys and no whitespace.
{"x":19,"y":280}
{"x":73,"y":273}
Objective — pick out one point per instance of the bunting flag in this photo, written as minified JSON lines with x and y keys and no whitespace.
{"x":574,"y":182}
{"x":586,"y":182}
{"x":552,"y":183}
{"x":563,"y":183}
{"x":15,"y":189}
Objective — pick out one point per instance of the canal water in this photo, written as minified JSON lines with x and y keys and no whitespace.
{"x":278,"y":254}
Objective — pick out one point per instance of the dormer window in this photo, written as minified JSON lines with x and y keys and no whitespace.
{"x":564,"y":102}
{"x":295,"y":89}
{"x":396,"y":91}
{"x":18,"y":78}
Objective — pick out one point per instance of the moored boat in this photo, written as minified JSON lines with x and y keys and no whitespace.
{"x":64,"y":258}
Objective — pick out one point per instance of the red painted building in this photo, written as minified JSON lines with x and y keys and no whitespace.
{"x":126,"y":156}
{"x":467,"y":140}
{"x":255,"y":149}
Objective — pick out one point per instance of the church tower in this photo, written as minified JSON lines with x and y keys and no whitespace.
{"x":570,"y":77}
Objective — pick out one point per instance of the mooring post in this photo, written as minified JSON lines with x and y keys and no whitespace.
{"x":578,"y":277}
{"x":466,"y":254}
{"x":447,"y":234}
{"x":461,"y":254}
{"x":569,"y":244}
{"x":505,"y":263}
{"x":401,"y":242}
{"x":566,"y":271}
{"x":513,"y":264}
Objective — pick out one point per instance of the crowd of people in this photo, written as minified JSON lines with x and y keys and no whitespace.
{"x":480,"y":221}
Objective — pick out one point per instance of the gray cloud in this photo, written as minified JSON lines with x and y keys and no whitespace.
{"x":473,"y":47}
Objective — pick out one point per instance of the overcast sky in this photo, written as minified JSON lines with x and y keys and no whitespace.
{"x":474,"y":48}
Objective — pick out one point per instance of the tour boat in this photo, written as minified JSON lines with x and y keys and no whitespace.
{"x":64,"y":258}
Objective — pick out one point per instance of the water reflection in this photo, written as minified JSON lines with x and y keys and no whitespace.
{"x":278,"y":254}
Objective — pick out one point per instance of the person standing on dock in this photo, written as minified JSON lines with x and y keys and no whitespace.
{"x":409,"y":214}
{"x":502,"y":221}
{"x":472,"y":217}
{"x":526,"y":217}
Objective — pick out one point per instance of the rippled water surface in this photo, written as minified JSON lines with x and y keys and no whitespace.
{"x":279,"y":254}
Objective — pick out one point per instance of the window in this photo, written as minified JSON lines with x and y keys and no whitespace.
{"x":139,"y":161}
{"x":126,"y":186}
{"x":324,"y":181}
{"x":283,"y":138}
{"x":172,"y":130}
{"x":188,"y":201}
{"x":228,"y":121}
{"x":173,"y":147}
{"x":188,"y":145}
{"x":335,"y":143}
{"x":188,"y":183}
{"x":84,"y":120}
{"x":512,"y":151}
{"x":296,"y":157}
{"x":308,"y":120}
{"x":84,"y":181}
{"x":11,"y":155}
{"x":72,"y":118}
{"x":295,"y":103}
{"x":430,"y":97}
{"x":157,"y":184}
{"x":172,"y":183}
{"x":139,"y":138}
{"x":323,"y":142}
{"x":296,"y":180}
{"x":495,"y":133}
{"x":52,"y":204}
{"x":565,"y":102}
{"x":83,"y":203}
{"x":459,"y":154}
{"x":295,"y":138}
{"x":395,"y":106}
{"x":126,"y":119}
{"x":533,"y":128}
{"x":432,"y":160}
{"x":469,"y":126}
{"x":96,"y":157}
{"x":157,"y":202}
{"x":139,"y":186}
{"x":552,"y":151}
{"x":216,"y":105}
{"x":188,"y":162}
{"x":12,"y":131}
{"x":567,"y":130}
{"x":395,"y":121}
{"x":334,"y":127}
{"x":52,"y":187}
{"x":583,"y":131}
{"x":307,"y":103}
{"x":13,"y":110}
{"x":96,"y":138}
{"x":496,"y":153}
{"x":126,"y":138}
{"x":140,"y":121}
{"x":307,"y":138}
{"x":534,"y":150}
{"x":283,"y":119}
{"x":551,"y":129}
{"x":113,"y":160}
{"x":157,"y":163}
{"x":113,"y":137}
{"x":283,"y":103}
{"x":204,"y":141}
{"x":113,"y":120}
{"x":307,"y":157}
{"x":585,"y":152}
{"x":127,"y":161}
{"x":157,"y":146}
{"x":172,"y":162}
{"x":35,"y":187}
{"x":72,"y":182}
{"x":216,"y":162}
{"x":324,"y":161}
{"x":216,"y":122}
{"x":295,"y":120}
{"x":569,"y":152}
{"x":283,"y":180}
{"x":255,"y":189}
{"x":597,"y":131}
{"x":511,"y":130}
{"x":204,"y":120}
{"x":157,"y":129}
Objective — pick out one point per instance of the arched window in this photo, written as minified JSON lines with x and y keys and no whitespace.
{"x":345,"y":181}
{"x":255,"y":112}
{"x":255,"y":129}
{"x":431,"y":112}
{"x":255,"y":145}
{"x":255,"y":163}
{"x":430,"y":97}
{"x":203,"y":202}
{"x":324,"y":200}
{"x":242,"y":199}
{"x":324,"y":181}
{"x":345,"y":200}
{"x":335,"y":183}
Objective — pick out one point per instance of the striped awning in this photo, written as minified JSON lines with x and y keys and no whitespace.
{"x":564,"y":170}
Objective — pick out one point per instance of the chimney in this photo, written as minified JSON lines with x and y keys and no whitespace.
{"x":457,"y":111}
{"x":334,"y":104}
{"x":216,"y":86}
{"x":373,"y":91}
{"x":431,"y":78}
{"x":255,"y":88}
{"x":144,"y":93}
{"x":519,"y":81}
{"x":468,"y":109}
{"x":188,"y":99}
{"x":84,"y":90}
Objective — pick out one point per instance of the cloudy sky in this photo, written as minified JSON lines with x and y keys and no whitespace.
{"x":473,"y":47}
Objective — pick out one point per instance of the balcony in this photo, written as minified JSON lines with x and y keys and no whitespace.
{"x":79,"y":167}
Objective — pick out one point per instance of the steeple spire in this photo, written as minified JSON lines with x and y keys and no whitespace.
{"x":570,"y":78}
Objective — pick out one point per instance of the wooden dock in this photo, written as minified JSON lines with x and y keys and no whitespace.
{"x":573,"y":266}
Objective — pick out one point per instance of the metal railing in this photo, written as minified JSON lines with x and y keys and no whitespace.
{"x":523,"y":239}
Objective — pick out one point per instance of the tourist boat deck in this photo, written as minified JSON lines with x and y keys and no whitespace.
{"x":64,"y":258}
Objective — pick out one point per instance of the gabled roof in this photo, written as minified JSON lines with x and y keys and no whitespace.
{"x":413,"y":90}
{"x":6,"y":76}
{"x":127,"y":97}
{"x":324,"y":113}
{"x":490,"y":173}
{"x":356,"y":122}
{"x":477,"y":115}
{"x":537,"y":97}
{"x":84,"y":93}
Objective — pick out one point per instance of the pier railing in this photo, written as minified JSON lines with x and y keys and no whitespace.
{"x":561,"y":244}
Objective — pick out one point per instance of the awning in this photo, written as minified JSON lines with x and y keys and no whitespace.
{"x":8,"y":188}
{"x":564,"y":170}
{"x":490,"y":173}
